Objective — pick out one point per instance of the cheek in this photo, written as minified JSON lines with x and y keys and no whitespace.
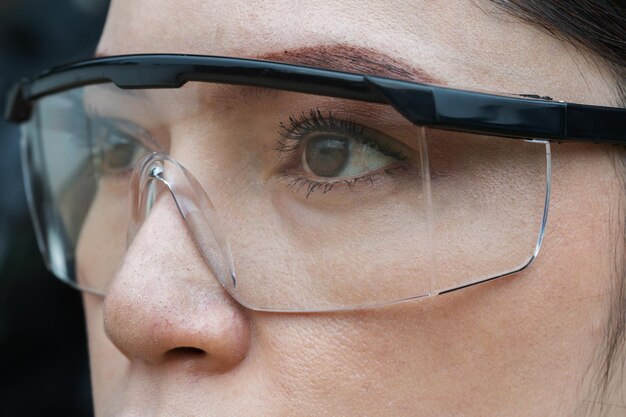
{"x":583,"y":227}
{"x":337,"y":358}
{"x":417,"y":356}
{"x":107,"y":365}
{"x":102,"y":241}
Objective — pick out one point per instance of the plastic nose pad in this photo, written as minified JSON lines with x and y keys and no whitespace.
{"x":193,"y":204}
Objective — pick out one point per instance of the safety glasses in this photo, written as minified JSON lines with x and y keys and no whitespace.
{"x":304,"y":189}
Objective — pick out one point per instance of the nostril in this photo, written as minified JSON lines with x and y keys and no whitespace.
{"x":185,"y":351}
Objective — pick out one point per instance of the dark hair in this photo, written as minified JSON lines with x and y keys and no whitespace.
{"x":599,"y":27}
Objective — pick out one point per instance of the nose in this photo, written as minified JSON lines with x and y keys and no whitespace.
{"x":164,"y":305}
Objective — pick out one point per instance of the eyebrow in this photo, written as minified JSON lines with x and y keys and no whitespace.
{"x":338,"y":57}
{"x":351,"y":58}
{"x":347,"y":58}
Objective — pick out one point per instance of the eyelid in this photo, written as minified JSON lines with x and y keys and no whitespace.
{"x":303,"y":126}
{"x":129,"y":128}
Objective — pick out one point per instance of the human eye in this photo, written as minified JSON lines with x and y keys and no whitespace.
{"x":330,"y":151}
{"x":118,"y":145}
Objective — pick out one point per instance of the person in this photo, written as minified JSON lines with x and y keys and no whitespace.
{"x":314,"y":208}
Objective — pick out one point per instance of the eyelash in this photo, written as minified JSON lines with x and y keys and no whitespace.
{"x":297,"y":129}
{"x":299,"y":183}
{"x":300,"y":126}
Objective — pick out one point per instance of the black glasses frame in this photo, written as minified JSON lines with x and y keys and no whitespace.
{"x":429,"y":105}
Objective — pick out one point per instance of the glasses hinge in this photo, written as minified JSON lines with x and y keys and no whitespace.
{"x":18,"y":108}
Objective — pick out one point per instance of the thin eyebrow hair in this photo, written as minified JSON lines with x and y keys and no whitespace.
{"x":351,"y":58}
{"x":345,"y":57}
{"x":338,"y":57}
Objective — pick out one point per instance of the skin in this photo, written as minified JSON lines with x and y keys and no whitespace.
{"x":166,"y":341}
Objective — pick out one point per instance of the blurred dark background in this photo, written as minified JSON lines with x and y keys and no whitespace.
{"x":43,"y":354}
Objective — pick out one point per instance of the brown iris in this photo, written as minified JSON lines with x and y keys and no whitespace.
{"x":119,"y":157}
{"x":327,"y":155}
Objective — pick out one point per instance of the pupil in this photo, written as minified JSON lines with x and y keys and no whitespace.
{"x":327,"y":155}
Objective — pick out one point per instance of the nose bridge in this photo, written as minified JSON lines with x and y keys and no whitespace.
{"x":158,"y":175}
{"x":163,"y":306}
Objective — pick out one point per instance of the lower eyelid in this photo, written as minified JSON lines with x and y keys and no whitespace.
{"x":307,"y":186}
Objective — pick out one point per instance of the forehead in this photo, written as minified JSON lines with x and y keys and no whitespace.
{"x":465,"y":43}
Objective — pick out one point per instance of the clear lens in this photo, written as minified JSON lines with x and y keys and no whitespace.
{"x":296,"y":202}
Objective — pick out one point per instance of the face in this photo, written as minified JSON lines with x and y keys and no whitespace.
{"x":168,"y":341}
